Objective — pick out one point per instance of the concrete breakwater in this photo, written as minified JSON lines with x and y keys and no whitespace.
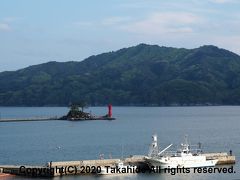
{"x":223,"y":158}
{"x":29,"y":119}
{"x":83,"y":167}
{"x":74,"y":114}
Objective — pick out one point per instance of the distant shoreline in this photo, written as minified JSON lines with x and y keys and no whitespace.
{"x":202,"y":105}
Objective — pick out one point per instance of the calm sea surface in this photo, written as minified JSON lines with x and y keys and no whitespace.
{"x":35,"y":143}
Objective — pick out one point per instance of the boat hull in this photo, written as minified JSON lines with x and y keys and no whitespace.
{"x":178,"y":162}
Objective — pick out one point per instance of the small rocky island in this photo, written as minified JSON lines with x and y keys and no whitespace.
{"x":77,"y":114}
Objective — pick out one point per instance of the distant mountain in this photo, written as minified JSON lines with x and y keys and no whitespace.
{"x":139,"y":75}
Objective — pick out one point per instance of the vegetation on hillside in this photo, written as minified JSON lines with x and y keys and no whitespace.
{"x":139,"y":75}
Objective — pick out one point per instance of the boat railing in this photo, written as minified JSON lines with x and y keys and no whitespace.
{"x":195,"y":151}
{"x":192,"y":148}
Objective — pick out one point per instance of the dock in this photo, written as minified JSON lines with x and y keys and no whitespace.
{"x":52,"y":169}
{"x":223,"y":158}
{"x":29,"y":119}
{"x":54,"y":119}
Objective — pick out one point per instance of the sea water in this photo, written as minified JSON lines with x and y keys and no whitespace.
{"x":35,"y":143}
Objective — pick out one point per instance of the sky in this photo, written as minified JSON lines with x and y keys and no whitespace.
{"x":38,"y":31}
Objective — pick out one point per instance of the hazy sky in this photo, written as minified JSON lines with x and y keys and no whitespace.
{"x":37,"y":31}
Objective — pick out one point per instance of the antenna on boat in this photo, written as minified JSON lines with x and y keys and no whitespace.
{"x":122,"y":151}
{"x":199,"y":148}
{"x":186,"y":139}
{"x":165,"y":149}
{"x":199,"y":145}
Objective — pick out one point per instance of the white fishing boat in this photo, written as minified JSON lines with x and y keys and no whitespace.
{"x":182,"y":158}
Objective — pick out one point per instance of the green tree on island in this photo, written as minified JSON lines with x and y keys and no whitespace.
{"x":75,"y":106}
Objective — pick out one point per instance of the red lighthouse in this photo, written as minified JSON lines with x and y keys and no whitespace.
{"x":110,"y":110}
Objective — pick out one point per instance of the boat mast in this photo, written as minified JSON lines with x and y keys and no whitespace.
{"x":153,"y":149}
{"x":185,"y":146}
